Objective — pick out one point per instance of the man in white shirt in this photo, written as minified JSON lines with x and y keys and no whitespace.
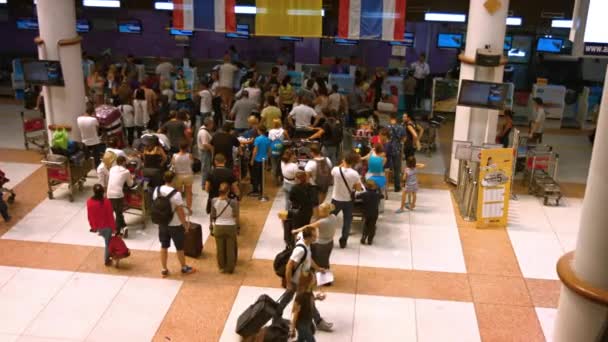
{"x":177,"y":227}
{"x":89,"y":133}
{"x":537,"y":125}
{"x":335,"y":99}
{"x":203,"y":141}
{"x":226,"y":81}
{"x":421,"y":70}
{"x":301,"y":116}
{"x":128,"y":121}
{"x":312,"y":169}
{"x":299,"y":262}
{"x":164,"y":70}
{"x":346,"y":182}
{"x":206,"y":107}
{"x":118,"y":177}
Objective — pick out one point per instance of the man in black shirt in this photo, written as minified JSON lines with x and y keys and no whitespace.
{"x":302,"y":197}
{"x":370,"y":203}
{"x":411,"y":142}
{"x":220,"y":174}
{"x":223,"y":142}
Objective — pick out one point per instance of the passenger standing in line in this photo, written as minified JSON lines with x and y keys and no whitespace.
{"x":118,"y":177}
{"x":398,"y":136}
{"x":184,"y":177}
{"x":289,"y":168}
{"x":89,"y":133}
{"x":101,"y":219}
{"x":226,"y":75}
{"x":421,"y":71}
{"x":141,"y":111}
{"x":346,"y":182}
{"x":327,"y":224}
{"x":205,"y":148}
{"x":535,"y":136}
{"x":224,"y":215}
{"x":128,"y":120}
{"x":261,"y":150}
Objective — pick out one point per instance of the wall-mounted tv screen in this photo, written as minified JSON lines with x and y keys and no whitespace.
{"x":342,"y":41}
{"x":27,"y":23}
{"x":450,"y":40}
{"x":483,"y":94}
{"x":83,"y":26}
{"x":176,"y":32}
{"x":549,"y":45}
{"x":43,"y":72}
{"x":291,"y":39}
{"x":409,"y":38}
{"x":130,"y":26}
{"x":242,"y":32}
{"x":508,"y":43}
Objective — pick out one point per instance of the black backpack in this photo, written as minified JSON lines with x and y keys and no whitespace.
{"x":323,"y":177}
{"x":336,"y":132}
{"x":281,"y":260}
{"x":161,"y":212}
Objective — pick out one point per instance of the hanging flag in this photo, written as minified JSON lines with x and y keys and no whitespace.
{"x":371,"y":19}
{"x":296,"y":18}
{"x":213,"y":15}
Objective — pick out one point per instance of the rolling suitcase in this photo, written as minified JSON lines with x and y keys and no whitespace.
{"x":193,"y":242}
{"x":257,"y":315}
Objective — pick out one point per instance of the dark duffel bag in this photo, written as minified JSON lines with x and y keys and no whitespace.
{"x":257,"y":315}
{"x":193,"y":242}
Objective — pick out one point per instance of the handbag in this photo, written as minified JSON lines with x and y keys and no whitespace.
{"x":352,"y":193}
{"x":221,"y":212}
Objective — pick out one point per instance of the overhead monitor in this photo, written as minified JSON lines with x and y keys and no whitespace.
{"x":343,"y":41}
{"x":132,"y":26}
{"x":596,"y":38}
{"x":549,"y":45}
{"x":483,"y":94}
{"x":450,"y":40}
{"x":83,"y":26}
{"x":27,"y":23}
{"x":176,"y":32}
{"x":409,"y":38}
{"x":508,"y":43}
{"x":291,"y":39}
{"x":242,"y":32}
{"x":43,"y":72}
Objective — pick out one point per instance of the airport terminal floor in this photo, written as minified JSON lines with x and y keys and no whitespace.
{"x":429,"y":276}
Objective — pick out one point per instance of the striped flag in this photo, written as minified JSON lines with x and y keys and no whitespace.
{"x":372,"y":19}
{"x":213,"y":15}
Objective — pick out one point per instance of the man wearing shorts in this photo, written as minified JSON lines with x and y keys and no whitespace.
{"x":176,"y":229}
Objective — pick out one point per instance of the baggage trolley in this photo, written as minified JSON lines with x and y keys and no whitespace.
{"x":34,"y":132}
{"x":541,"y":174}
{"x":136,"y":203}
{"x":60,"y":170}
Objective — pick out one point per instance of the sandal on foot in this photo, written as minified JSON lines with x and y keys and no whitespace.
{"x":164,"y":273}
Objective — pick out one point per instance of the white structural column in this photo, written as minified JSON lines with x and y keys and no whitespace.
{"x":483,"y":29}
{"x":579,"y":319}
{"x":579,"y":23}
{"x":57,"y":21}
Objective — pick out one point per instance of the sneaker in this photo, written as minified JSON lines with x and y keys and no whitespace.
{"x":342,"y":244}
{"x":325,"y":326}
{"x":399,"y":211}
{"x":164,"y":273}
{"x":187,"y":270}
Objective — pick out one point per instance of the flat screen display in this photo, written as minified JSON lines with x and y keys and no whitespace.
{"x":291,"y":39}
{"x":83,"y":26}
{"x":130,"y":26}
{"x":27,"y":23}
{"x":508,"y":43}
{"x":449,"y":40}
{"x":409,"y":38}
{"x":43,"y":72}
{"x":242,"y":32}
{"x":549,"y":45}
{"x":176,"y":32}
{"x":596,"y":39}
{"x":342,"y":41}
{"x":483,"y":94}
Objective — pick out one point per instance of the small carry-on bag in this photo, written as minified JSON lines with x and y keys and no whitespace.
{"x":257,"y":315}
{"x":193,"y":242}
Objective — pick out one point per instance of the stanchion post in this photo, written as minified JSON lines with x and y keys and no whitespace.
{"x":263,"y":197}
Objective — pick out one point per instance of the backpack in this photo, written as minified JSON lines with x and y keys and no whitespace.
{"x":118,"y":248}
{"x":336,"y":132}
{"x":323,"y":178}
{"x":281,"y":260}
{"x":161,"y":212}
{"x":276,"y":147}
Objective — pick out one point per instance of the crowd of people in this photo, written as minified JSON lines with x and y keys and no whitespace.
{"x":238,"y":130}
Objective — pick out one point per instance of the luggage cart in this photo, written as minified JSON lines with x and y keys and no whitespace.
{"x":136,"y":203}
{"x":34,"y":132}
{"x":61,"y":169}
{"x":430,"y":129}
{"x":541,"y":174}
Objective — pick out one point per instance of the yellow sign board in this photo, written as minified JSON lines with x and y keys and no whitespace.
{"x":494,"y":191}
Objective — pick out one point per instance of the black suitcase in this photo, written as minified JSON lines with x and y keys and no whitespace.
{"x":196,"y":165}
{"x":193,"y":242}
{"x":257,"y":315}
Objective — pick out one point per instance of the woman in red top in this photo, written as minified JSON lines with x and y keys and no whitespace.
{"x":101,"y":218}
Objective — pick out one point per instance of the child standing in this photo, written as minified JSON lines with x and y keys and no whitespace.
{"x":371,"y":201}
{"x":410,"y":179}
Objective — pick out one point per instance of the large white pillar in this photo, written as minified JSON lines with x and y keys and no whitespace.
{"x":57,"y":23}
{"x":483,"y":29}
{"x":579,"y":23}
{"x":578,"y":318}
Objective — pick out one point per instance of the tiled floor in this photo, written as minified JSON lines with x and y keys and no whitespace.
{"x":71,"y":306}
{"x":17,"y":172}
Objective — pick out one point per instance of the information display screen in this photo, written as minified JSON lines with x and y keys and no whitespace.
{"x":130,"y":26}
{"x":483,"y":94}
{"x":291,"y":39}
{"x":508,"y":43}
{"x":83,"y":26}
{"x":449,"y":40}
{"x":43,"y":72}
{"x":596,"y":37}
{"x":176,"y":32}
{"x":242,"y":32}
{"x":549,"y":45}
{"x":408,"y":40}
{"x":27,"y":23}
{"x":342,"y":41}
